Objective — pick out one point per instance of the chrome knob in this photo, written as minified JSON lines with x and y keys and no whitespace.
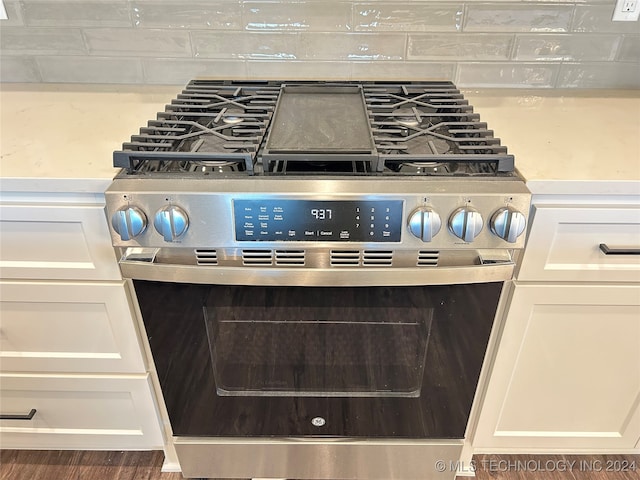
{"x":129,"y":222}
{"x":171,"y":222}
{"x":466,"y":223}
{"x":424,"y":223}
{"x":508,"y":223}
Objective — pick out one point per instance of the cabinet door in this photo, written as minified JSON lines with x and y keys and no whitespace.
{"x":567,"y":371}
{"x":79,"y":412}
{"x":56,"y":242}
{"x":67,"y":327}
{"x":564,"y":244}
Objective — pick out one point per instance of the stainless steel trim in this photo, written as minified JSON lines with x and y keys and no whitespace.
{"x":370,"y":276}
{"x":319,"y":459}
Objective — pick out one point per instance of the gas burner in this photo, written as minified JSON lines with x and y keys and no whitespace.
{"x":208,"y":143}
{"x":232,"y":116}
{"x":235,"y":116}
{"x":191,"y":167}
{"x":428,"y":168}
{"x":212,"y":166}
{"x":414,"y":117}
{"x":408,"y":117}
{"x":427,"y":145}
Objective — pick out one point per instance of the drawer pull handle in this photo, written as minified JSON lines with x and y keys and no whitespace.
{"x":618,"y":251}
{"x":27,"y":416}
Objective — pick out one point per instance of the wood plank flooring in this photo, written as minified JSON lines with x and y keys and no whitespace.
{"x":91,"y":465}
{"x":557,"y":467}
{"x":82,"y":465}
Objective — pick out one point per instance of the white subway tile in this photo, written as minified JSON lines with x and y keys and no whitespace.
{"x":18,"y":69}
{"x":599,"y":75}
{"x":298,"y":70}
{"x":517,"y":18}
{"x":246,"y":45}
{"x":526,"y":75}
{"x":90,"y":69}
{"x":460,"y":47}
{"x":178,"y":71}
{"x":408,"y":17}
{"x":403,"y":71}
{"x":597,"y":18}
{"x":218,"y":15}
{"x":566,"y":47}
{"x":143,"y":42}
{"x":629,"y":50}
{"x":352,"y":46}
{"x":64,"y":41}
{"x":299,"y":16}
{"x":82,"y":14}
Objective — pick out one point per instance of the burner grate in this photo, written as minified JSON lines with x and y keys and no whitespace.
{"x":221,"y":128}
{"x":210,"y":121}
{"x":431,"y":123}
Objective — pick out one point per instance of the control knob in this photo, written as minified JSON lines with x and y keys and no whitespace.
{"x":129,"y":222}
{"x":508,"y":223}
{"x":424,"y":223}
{"x":466,"y":223}
{"x":171,"y":222}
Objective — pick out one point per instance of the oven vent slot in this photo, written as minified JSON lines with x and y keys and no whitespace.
{"x":428,"y":258}
{"x":377,"y":258}
{"x":257,"y":257}
{"x":206,"y":257}
{"x":290,"y":257}
{"x":340,"y":258}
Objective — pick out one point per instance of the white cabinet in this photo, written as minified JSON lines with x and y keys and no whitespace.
{"x":59,"y":241}
{"x":69,"y":345}
{"x":77,"y":411}
{"x":564,"y":244}
{"x":566,"y":372}
{"x":67,"y":327}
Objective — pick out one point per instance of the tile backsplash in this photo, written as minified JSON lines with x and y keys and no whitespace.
{"x":532,"y":44}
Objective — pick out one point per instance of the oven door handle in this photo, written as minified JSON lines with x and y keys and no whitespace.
{"x":336,"y":276}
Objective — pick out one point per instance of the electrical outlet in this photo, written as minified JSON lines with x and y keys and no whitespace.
{"x":626,"y":11}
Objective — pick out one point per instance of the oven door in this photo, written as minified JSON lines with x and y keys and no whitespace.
{"x":318,"y":362}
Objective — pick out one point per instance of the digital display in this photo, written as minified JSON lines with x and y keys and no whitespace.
{"x":321,"y":213}
{"x":318,"y":220}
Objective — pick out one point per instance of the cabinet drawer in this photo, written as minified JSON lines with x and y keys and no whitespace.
{"x":79,"y":412}
{"x":56,"y":242}
{"x":67,"y":327}
{"x":564,"y":244}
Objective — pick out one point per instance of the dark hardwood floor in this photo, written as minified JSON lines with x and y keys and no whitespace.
{"x":82,"y":465}
{"x":91,"y":465}
{"x":557,"y":467}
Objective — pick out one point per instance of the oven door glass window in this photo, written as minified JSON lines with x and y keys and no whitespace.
{"x":318,"y":341}
{"x":374,"y":362}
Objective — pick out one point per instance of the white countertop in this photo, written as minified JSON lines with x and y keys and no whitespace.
{"x":57,"y":138}
{"x":61,"y":137}
{"x":567,"y":141}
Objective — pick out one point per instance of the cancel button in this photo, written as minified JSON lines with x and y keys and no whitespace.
{"x":326,"y":233}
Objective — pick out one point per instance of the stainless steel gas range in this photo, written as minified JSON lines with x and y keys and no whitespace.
{"x":318,"y":267}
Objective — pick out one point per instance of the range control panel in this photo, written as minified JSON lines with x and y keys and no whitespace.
{"x":313,"y":220}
